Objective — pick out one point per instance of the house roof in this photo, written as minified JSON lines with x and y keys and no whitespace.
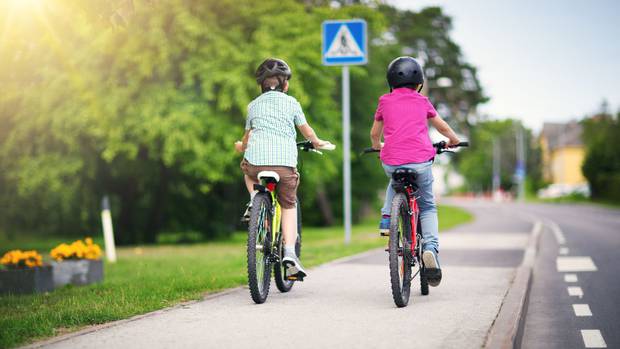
{"x":562,"y":135}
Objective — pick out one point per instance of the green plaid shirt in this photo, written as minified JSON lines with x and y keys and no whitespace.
{"x":272,"y":117}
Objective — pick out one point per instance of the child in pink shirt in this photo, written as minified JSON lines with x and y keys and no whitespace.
{"x":402,"y":117}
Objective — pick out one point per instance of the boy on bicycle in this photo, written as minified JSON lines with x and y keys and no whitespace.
{"x":402,"y":117}
{"x":269,"y":144}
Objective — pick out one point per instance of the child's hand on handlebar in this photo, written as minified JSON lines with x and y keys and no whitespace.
{"x":377,"y":146}
{"x":319,"y":143}
{"x":453,"y":142}
{"x":239,"y":147}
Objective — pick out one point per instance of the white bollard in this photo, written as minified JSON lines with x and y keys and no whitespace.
{"x":108,"y":232}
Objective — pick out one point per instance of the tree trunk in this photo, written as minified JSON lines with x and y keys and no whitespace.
{"x":125,"y":230}
{"x":325,"y":206}
{"x":158,"y":204}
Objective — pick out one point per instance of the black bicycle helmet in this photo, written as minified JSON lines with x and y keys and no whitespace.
{"x":273,"y":67}
{"x":405,"y":71}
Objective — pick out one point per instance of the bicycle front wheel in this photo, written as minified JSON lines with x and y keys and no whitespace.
{"x":282,"y":283}
{"x":259,"y":246}
{"x":400,"y":253}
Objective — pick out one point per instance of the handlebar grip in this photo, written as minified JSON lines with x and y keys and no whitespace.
{"x":328,"y":146}
{"x":370,"y":150}
{"x":463,"y":144}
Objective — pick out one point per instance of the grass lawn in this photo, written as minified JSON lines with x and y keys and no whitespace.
{"x":148,"y":278}
{"x":577,"y":199}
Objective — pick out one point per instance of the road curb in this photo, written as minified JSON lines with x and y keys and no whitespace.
{"x":505,"y":329}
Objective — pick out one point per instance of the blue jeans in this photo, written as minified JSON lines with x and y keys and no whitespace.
{"x":426,"y":201}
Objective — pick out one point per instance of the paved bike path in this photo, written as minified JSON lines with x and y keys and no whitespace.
{"x":347,"y":304}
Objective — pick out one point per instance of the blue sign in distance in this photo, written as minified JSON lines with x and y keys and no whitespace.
{"x":520,"y":169}
{"x":345,"y":42}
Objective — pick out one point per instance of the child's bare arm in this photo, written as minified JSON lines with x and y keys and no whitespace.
{"x":445,"y":130}
{"x":375,"y":134}
{"x":310,"y":135}
{"x":242,"y":145}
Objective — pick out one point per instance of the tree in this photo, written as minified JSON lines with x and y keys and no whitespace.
{"x":142,"y":100}
{"x":602,"y":162}
{"x":476,"y":163}
{"x":146,"y":112}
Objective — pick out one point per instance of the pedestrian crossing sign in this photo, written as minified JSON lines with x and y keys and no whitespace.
{"x":345,"y":42}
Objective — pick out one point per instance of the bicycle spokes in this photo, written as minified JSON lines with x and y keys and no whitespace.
{"x":261,"y":248}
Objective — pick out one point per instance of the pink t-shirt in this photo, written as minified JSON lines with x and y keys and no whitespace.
{"x":405,"y":115}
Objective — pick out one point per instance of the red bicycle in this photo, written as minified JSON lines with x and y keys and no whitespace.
{"x":406,"y":239}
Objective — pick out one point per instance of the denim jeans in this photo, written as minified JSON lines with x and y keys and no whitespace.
{"x":426,"y":201}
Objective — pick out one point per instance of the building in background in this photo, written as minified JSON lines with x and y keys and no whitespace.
{"x":563,"y":153}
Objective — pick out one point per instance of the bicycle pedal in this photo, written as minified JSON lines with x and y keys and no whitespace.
{"x":384,"y":234}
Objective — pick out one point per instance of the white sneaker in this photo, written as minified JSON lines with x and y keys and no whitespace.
{"x":294,"y":269}
{"x":246,"y":214}
{"x":432,"y":270}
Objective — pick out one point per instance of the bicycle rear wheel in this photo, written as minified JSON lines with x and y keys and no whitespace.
{"x":282,"y":283}
{"x":423,"y":279}
{"x":400,"y":253}
{"x":259,"y":246}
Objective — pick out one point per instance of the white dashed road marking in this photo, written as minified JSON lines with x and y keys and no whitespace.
{"x":557,"y":232}
{"x":575,"y":291}
{"x":582,"y":310}
{"x":593,"y":339}
{"x":570,"y":277}
{"x":573,"y":264}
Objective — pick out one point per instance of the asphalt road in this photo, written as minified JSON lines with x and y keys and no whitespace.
{"x":348,"y":303}
{"x":588,"y":237}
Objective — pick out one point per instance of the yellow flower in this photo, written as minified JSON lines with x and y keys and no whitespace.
{"x":17,"y":259}
{"x":77,"y":250}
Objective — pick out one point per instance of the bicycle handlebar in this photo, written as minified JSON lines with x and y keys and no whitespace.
{"x":370,"y":150}
{"x":440,"y":146}
{"x":443,"y":146}
{"x":308,"y":146}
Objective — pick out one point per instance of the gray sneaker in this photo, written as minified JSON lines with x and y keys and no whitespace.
{"x":294,"y":269}
{"x":246,"y":215}
{"x":431,"y":267}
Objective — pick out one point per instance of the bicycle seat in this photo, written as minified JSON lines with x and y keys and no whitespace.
{"x":269,"y":176}
{"x":404,"y":175}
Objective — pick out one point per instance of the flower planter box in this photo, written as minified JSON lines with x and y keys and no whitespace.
{"x":29,"y":280}
{"x":77,"y":272}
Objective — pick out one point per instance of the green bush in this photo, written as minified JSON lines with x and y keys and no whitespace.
{"x":602,"y":163}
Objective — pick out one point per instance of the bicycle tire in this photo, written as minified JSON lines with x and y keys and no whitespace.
{"x":279,"y":273}
{"x":400,"y":270}
{"x":424,"y":290}
{"x":423,"y":283}
{"x":259,"y":234}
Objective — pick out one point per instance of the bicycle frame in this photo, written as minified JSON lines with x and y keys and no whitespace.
{"x":414,"y":211}
{"x":277,"y":212}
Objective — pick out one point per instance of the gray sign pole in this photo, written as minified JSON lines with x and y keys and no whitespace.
{"x":346,"y":148}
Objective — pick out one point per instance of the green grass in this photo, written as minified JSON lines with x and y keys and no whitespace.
{"x":148,"y":278}
{"x":577,"y":199}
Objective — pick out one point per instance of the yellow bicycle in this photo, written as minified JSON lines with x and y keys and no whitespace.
{"x":265,"y":245}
